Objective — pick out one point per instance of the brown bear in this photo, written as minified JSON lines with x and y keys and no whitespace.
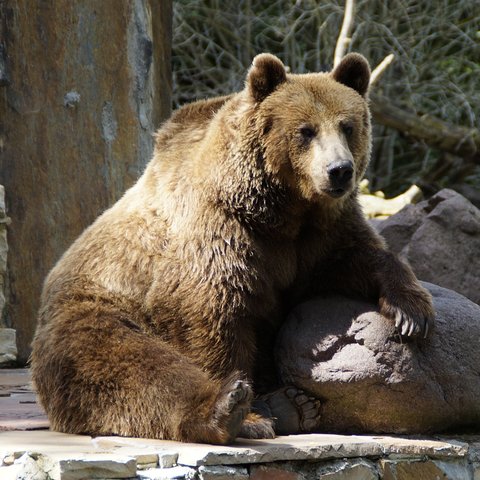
{"x":161,"y":317}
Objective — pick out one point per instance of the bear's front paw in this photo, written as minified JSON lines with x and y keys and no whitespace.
{"x":412,"y":311}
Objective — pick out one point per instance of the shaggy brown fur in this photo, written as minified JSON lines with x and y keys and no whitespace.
{"x":156,"y":320}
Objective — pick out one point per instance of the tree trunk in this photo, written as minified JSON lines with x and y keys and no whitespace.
{"x":83,"y":84}
{"x":436,"y":133}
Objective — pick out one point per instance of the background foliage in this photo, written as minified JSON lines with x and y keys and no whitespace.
{"x":436,"y":69}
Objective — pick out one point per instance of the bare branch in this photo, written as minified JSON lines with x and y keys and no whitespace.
{"x":380,"y":68}
{"x":461,"y":141}
{"x":344,"y":36}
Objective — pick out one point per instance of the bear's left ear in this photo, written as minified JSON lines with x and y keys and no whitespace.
{"x":265,"y":75}
{"x":354,"y":72}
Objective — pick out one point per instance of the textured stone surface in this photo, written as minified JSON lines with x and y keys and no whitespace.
{"x":221,"y":472}
{"x":4,"y":221}
{"x":293,"y":447}
{"x":19,"y":409}
{"x":349,"y":356}
{"x":88,"y":83}
{"x":347,"y":470}
{"x":423,"y":470}
{"x":8,"y":346}
{"x":97,"y":466}
{"x":274,"y":472}
{"x":167,"y":459}
{"x":175,"y":473}
{"x":440,"y":239}
{"x":55,"y":456}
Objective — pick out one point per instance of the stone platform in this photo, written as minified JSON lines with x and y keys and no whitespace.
{"x":28,"y":450}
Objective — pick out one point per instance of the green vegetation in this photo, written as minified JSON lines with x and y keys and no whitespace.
{"x":436,"y":68}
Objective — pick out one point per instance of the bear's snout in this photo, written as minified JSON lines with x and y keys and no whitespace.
{"x":340,"y":174}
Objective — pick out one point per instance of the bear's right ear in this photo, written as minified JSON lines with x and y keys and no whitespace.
{"x":354,"y":72}
{"x":265,"y":75}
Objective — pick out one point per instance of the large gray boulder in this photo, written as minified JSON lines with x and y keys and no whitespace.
{"x":370,"y":380}
{"x":440,"y":239}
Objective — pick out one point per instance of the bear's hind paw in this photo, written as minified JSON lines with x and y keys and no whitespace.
{"x":293,"y":411}
{"x":232,"y":406}
{"x":256,"y":426}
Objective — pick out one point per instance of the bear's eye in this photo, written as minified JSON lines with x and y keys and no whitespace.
{"x":307,"y":132}
{"x":347,"y":129}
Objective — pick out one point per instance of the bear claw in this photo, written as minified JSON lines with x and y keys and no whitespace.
{"x":408,"y":326}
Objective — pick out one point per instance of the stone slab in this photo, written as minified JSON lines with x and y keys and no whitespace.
{"x":19,"y":409}
{"x":408,"y":447}
{"x":286,"y":448}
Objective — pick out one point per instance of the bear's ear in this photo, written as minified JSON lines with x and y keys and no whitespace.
{"x":265,"y":75}
{"x":354,"y":72}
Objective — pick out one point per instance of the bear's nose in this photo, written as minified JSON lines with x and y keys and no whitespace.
{"x":340,"y":172}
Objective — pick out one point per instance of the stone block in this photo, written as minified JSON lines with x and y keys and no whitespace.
{"x":220,"y":472}
{"x":167,"y":459}
{"x":347,"y":470}
{"x":423,"y":470}
{"x":97,"y":466}
{"x":272,"y":472}
{"x":175,"y":473}
{"x":8,"y":346}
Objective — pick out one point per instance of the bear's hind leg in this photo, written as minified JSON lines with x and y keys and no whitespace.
{"x":101,"y":374}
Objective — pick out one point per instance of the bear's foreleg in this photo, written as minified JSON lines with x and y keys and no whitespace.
{"x":367,"y":268}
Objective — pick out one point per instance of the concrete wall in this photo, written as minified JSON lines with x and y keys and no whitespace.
{"x":83,"y":84}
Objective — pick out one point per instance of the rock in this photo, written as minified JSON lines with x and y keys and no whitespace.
{"x":440,"y":239}
{"x":288,"y":448}
{"x":346,"y":354}
{"x":8,"y":347}
{"x":97,"y":466}
{"x":347,"y":470}
{"x":175,"y":473}
{"x":274,"y":472}
{"x":421,"y":469}
{"x":167,"y":459}
{"x":220,"y":472}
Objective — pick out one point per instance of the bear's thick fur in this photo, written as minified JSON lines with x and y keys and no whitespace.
{"x":161,"y":316}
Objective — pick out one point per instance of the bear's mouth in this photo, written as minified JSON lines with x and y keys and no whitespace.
{"x":336,"y":192}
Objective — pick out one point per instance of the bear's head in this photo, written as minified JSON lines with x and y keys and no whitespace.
{"x":313,"y":129}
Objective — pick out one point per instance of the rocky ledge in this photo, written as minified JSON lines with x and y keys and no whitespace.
{"x":49,"y":455}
